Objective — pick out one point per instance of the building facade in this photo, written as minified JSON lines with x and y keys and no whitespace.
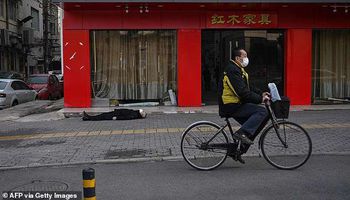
{"x":11,"y":55}
{"x":138,"y":50}
{"x":22,"y":36}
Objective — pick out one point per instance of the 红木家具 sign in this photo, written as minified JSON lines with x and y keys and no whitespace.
{"x":241,"y":20}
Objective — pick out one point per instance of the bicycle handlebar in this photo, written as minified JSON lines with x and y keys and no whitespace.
{"x":267,"y":102}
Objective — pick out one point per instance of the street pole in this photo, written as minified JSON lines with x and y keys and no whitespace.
{"x":46,"y":4}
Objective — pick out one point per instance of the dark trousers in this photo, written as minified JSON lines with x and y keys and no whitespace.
{"x":117,"y":114}
{"x":252,"y":117}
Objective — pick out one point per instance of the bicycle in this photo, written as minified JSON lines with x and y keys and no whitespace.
{"x":283,"y":144}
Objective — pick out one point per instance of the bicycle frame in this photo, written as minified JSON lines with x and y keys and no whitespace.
{"x":274,"y":123}
{"x":228,"y":124}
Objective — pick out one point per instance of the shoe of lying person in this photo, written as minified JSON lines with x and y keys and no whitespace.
{"x":85,"y":116}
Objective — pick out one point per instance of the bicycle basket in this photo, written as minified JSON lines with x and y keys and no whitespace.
{"x":281,"y":108}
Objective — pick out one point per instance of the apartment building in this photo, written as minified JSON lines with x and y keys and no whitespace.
{"x":22,"y":29}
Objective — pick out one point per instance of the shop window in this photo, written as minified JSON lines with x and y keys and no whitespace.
{"x":331,"y":66}
{"x":133,"y":64}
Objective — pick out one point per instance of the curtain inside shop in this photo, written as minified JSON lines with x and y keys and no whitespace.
{"x":331,"y":64}
{"x":133,"y":65}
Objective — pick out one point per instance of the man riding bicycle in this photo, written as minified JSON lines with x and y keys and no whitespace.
{"x":241,"y":101}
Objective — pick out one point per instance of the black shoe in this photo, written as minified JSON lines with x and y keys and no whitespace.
{"x":244,"y":138}
{"x":244,"y":148}
{"x":85,"y":116}
{"x":238,"y":157}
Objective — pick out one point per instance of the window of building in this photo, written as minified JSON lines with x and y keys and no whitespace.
{"x":12,"y":5}
{"x":52,"y":28}
{"x":35,"y":20}
{"x":2,"y":61}
{"x":13,"y":61}
{"x":331,"y":66}
{"x":2,"y":3}
{"x":133,"y":64}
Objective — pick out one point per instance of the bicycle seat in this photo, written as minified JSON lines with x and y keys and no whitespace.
{"x":225,"y":115}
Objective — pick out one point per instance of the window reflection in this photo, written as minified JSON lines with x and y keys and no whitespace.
{"x":133,"y":64}
{"x":265,"y":51}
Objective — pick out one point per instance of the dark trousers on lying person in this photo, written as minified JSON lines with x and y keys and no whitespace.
{"x":117,"y":114}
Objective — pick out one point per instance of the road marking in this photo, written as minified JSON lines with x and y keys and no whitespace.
{"x":139,"y":131}
{"x":94,"y":133}
{"x":85,"y":133}
{"x":173,"y":130}
{"x":162,"y":130}
{"x":128,"y":131}
{"x":105,"y":132}
{"x":117,"y":132}
{"x":151,"y":130}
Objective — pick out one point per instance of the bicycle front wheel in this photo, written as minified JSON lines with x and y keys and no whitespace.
{"x":289,"y":148}
{"x":196,"y":150}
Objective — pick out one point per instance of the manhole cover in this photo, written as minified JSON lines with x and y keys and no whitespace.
{"x":38,"y":185}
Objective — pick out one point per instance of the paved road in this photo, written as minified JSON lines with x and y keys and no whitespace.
{"x":322,"y":178}
{"x":74,"y":141}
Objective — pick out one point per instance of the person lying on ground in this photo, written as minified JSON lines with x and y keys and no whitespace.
{"x":117,"y":114}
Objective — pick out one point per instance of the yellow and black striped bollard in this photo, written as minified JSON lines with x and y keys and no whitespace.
{"x":89,"y":184}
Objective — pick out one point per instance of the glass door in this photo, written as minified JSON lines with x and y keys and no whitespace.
{"x":265,"y":50}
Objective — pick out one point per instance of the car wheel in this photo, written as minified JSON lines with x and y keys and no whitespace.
{"x":50,"y":97}
{"x":14,"y":103}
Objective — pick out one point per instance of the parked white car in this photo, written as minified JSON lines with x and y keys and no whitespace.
{"x":14,"y":92}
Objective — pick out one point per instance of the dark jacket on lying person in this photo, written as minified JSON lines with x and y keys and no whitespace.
{"x":117,"y":114}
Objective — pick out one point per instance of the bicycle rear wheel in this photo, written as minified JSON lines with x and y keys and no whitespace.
{"x":297,"y":150}
{"x":200,"y":154}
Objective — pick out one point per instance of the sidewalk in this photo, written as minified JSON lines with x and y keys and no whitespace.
{"x":204,"y":109}
{"x":44,"y":110}
{"x":73,"y":141}
{"x":30,"y":108}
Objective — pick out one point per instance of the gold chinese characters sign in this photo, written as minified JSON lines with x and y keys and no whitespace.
{"x":242,"y":20}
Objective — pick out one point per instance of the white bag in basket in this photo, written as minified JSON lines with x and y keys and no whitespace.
{"x":274,"y":92}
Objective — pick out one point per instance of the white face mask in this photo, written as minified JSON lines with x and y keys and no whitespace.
{"x":245,"y":62}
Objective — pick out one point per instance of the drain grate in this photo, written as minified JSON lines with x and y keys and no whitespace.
{"x":125,"y":153}
{"x":41,"y":143}
{"x":39,"y":185}
{"x":137,"y":153}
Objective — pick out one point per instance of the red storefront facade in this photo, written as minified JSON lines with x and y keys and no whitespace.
{"x":297,"y":20}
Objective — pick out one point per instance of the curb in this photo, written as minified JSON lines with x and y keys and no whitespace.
{"x":202,"y":110}
{"x":110,"y":161}
{"x":138,"y":160}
